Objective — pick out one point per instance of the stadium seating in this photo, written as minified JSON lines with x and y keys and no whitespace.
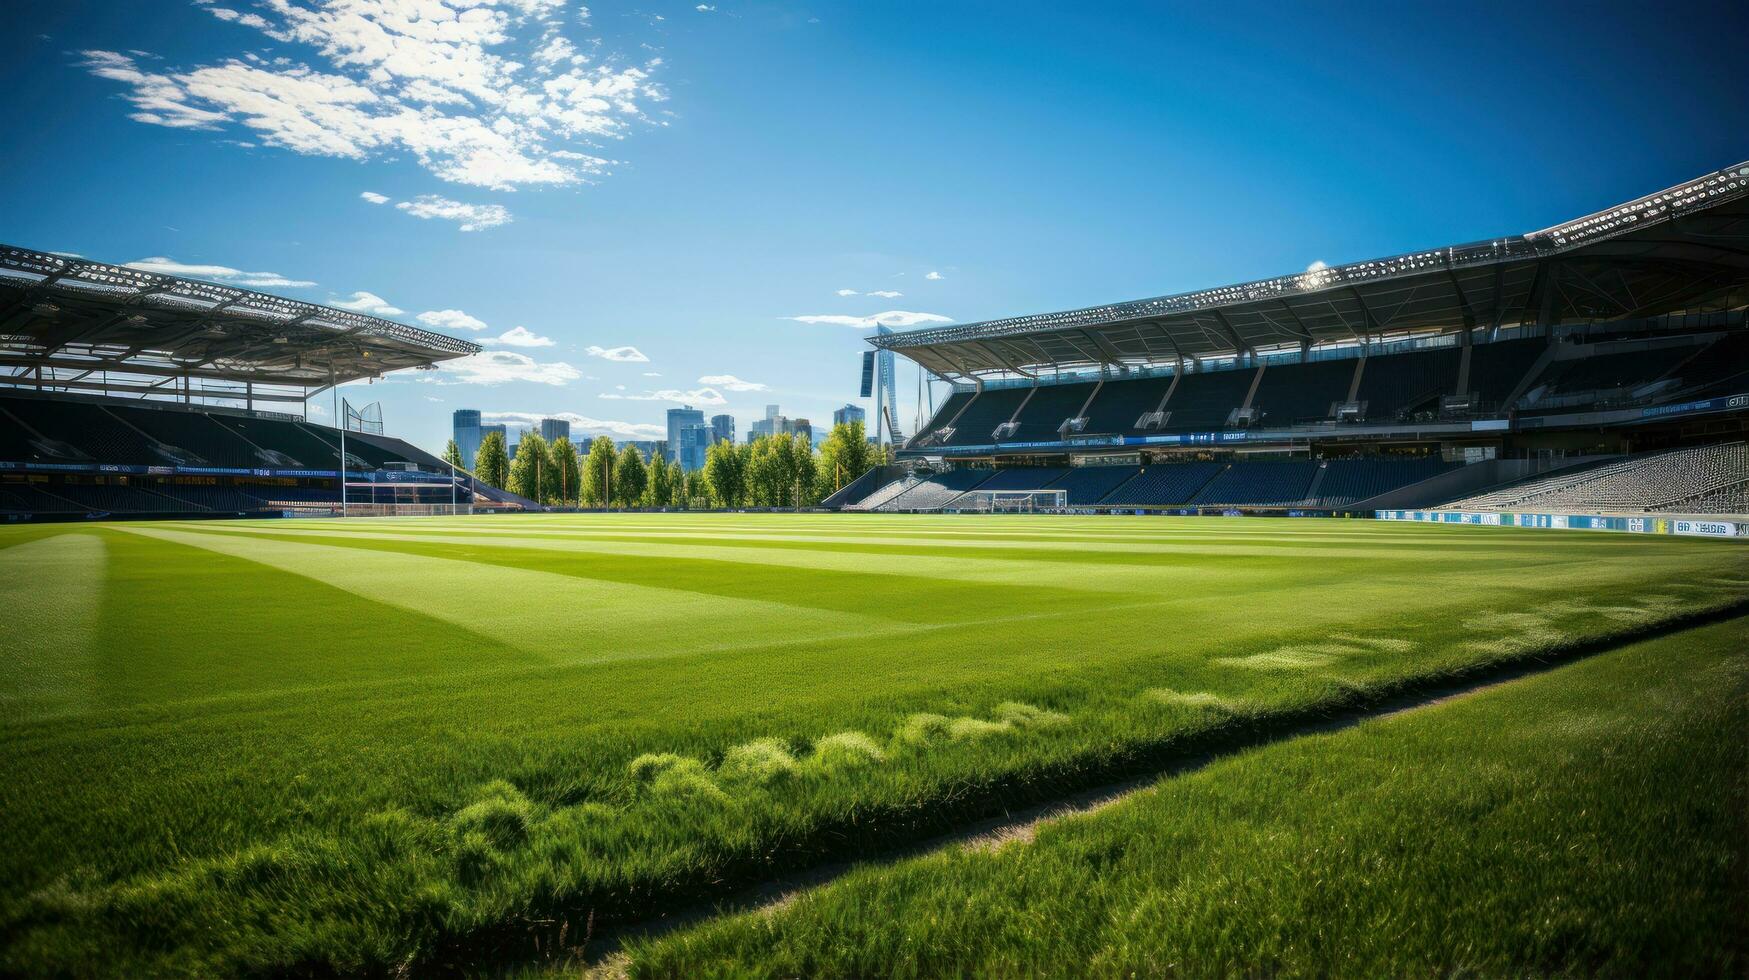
{"x":213,"y":498}
{"x":884,"y":495}
{"x":1496,"y":369}
{"x":1347,"y":481}
{"x":1261,"y":482}
{"x":1292,"y":394}
{"x":1091,"y":484}
{"x":1204,"y":400}
{"x":990,"y":409}
{"x":1120,"y":403}
{"x":1049,"y":406}
{"x":24,"y":498}
{"x":931,"y":493}
{"x":290,"y":441}
{"x":1668,"y":480}
{"x":1405,"y":387}
{"x":1721,"y":368}
{"x":1023,"y":478}
{"x":1164,"y":484}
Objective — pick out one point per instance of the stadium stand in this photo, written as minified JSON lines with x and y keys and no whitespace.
{"x":1164,"y":484}
{"x":1299,"y":393}
{"x":1407,"y":387}
{"x":1023,"y":478}
{"x":1348,"y":481}
{"x":937,"y":490}
{"x":1092,"y":484}
{"x":1261,"y":482}
{"x":1660,"y":481}
{"x":884,"y":495}
{"x":1120,"y":403}
{"x":1497,"y":369}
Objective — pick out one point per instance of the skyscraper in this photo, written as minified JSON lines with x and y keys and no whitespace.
{"x":551,"y":429}
{"x":722,"y":428}
{"x":695,"y":441}
{"x":679,"y":418}
{"x":803,"y":428}
{"x":467,"y":435}
{"x":773,"y":424}
{"x":849,"y":414}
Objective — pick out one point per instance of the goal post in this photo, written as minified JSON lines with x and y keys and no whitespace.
{"x":1009,"y":501}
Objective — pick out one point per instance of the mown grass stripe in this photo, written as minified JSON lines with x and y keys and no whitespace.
{"x":50,"y":591}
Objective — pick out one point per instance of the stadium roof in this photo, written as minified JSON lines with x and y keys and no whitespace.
{"x":1661,"y":253}
{"x":78,"y":322}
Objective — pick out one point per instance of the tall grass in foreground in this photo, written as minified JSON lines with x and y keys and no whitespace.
{"x":1593,"y":820}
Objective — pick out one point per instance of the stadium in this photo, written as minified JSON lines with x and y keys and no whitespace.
{"x":1268,"y":629}
{"x":1597,"y":367}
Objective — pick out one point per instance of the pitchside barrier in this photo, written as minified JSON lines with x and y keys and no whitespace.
{"x":1710,"y":527}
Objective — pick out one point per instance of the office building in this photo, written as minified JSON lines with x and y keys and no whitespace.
{"x":722,"y":428}
{"x":849,"y":414}
{"x":679,"y":418}
{"x":467,"y":435}
{"x":551,"y":429}
{"x":695,"y":440}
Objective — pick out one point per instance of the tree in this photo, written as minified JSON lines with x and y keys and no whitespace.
{"x":677,"y":484}
{"x":725,"y":475}
{"x":844,"y":456}
{"x":630,"y":478}
{"x":598,"y":472}
{"x":562,"y":472}
{"x":805,"y":468}
{"x":492,"y":462}
{"x":528,"y":471}
{"x":452,"y":454}
{"x":764,"y":473}
{"x":658,"y":493}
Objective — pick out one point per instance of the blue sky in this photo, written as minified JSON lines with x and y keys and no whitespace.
{"x":687,"y":180}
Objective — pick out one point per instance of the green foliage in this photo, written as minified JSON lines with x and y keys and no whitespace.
{"x":492,"y":462}
{"x":560,"y":481}
{"x":630,"y":478}
{"x":725,"y":473}
{"x":178,"y":801}
{"x":844,"y":456}
{"x":598,"y":469}
{"x":452,"y":455}
{"x":528,"y":470}
{"x":659,"y":492}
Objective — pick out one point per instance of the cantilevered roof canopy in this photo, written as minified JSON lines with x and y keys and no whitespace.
{"x":80,"y":321}
{"x":1675,"y":250}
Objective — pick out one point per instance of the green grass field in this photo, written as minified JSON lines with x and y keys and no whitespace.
{"x":311,"y":746}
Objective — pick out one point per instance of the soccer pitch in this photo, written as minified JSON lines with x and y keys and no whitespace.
{"x":266,"y":746}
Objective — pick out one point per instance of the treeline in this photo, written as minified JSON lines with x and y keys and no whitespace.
{"x":771,"y":471}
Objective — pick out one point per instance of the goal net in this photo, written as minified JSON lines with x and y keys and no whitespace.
{"x":1009,"y":501}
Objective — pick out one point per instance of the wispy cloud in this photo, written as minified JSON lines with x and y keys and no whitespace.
{"x":935,"y":275}
{"x":626,"y":354}
{"x":520,"y":337}
{"x":495,"y":367}
{"x":217,"y":273}
{"x":489,"y":93}
{"x":363,"y":302}
{"x":729,"y":382}
{"x":373,"y":197}
{"x":471,"y":217}
{"x":848,"y":292}
{"x":450,"y":320}
{"x":891,"y":318}
{"x":580,"y":424}
{"x":886,"y":293}
{"x":697,"y":396}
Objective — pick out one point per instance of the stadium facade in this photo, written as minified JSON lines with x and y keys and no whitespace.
{"x":124,"y":392}
{"x":1444,"y":375}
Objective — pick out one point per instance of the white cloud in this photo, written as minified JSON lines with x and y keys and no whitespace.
{"x":848,"y":292}
{"x":886,"y":293}
{"x":705,"y":8}
{"x":935,"y":275}
{"x":217,"y":273}
{"x":450,"y":320}
{"x":627,"y":354}
{"x":520,"y":337}
{"x":652,"y":374}
{"x":498,"y":366}
{"x":731,"y":383}
{"x":471,"y":217}
{"x":1318,"y":266}
{"x":363,"y":302}
{"x":891,"y":318}
{"x":580,"y":424}
{"x":481,"y":92}
{"x":373,"y":197}
{"x":697,"y":396}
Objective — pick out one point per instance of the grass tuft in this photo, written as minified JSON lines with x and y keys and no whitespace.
{"x":1022,"y":715}
{"x":847,"y":750}
{"x":763,"y":761}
